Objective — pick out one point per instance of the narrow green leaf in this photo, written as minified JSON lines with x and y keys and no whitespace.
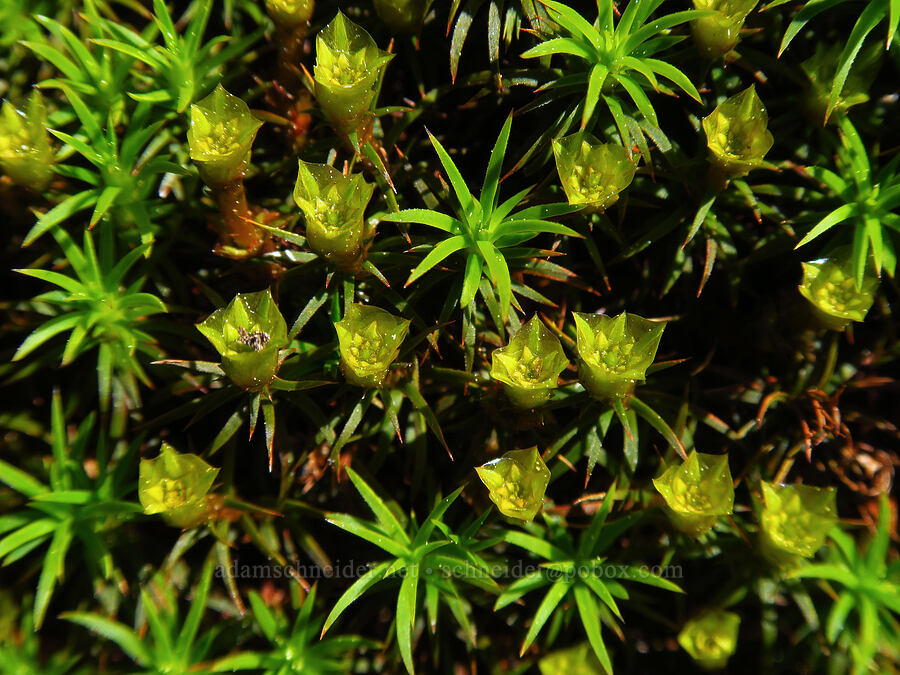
{"x":198,"y":606}
{"x":119,"y":633}
{"x":360,"y":586}
{"x":592,"y":97}
{"x":590,"y":617}
{"x":366,"y":531}
{"x":435,"y":219}
{"x":51,"y":571}
{"x":385,"y":516}
{"x":436,"y":255}
{"x":406,"y":613}
{"x":556,"y":593}
{"x":20,"y":481}
{"x":62,"y":211}
{"x":470,"y":281}
{"x":494,"y":169}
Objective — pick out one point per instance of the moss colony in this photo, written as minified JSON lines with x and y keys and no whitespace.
{"x":483,"y":336}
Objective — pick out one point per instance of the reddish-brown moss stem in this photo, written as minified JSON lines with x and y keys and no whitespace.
{"x":238,"y":227}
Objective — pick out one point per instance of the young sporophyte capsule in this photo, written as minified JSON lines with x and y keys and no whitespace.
{"x":711,"y":638}
{"x":736,"y":134}
{"x":615,"y":352}
{"x":369,"y":340}
{"x":529,"y":366}
{"x":795,"y":520}
{"x":175,"y":485}
{"x":290,"y":14}
{"x":516,"y":482}
{"x":402,"y":16}
{"x":592,"y":173}
{"x":347,"y":72}
{"x":248,"y":335}
{"x":25,"y":152}
{"x":697,"y":492}
{"x":717,"y":34}
{"x":577,"y":660}
{"x":830,"y":287}
{"x":220,"y":136}
{"x":821,"y":69}
{"x":333,"y":206}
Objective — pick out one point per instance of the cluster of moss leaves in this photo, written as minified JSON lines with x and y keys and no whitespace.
{"x":118,"y":249}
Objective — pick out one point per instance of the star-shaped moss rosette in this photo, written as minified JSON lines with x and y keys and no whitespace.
{"x":795,"y":520}
{"x":333,"y":207}
{"x":717,"y":34}
{"x":248,"y":334}
{"x":369,"y":340}
{"x":711,"y":638}
{"x":347,"y":73}
{"x":403,"y":16}
{"x":176,"y":486}
{"x":615,"y":352}
{"x":697,"y":492}
{"x":830,"y":287}
{"x":220,"y":136}
{"x":592,"y":173}
{"x":516,"y":482}
{"x":26,"y":155}
{"x":737,"y":136}
{"x":529,"y":366}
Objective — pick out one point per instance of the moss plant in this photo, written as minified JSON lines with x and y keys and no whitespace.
{"x":220,"y":137}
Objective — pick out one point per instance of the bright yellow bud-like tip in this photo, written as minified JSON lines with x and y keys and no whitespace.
{"x":175,"y":485}
{"x":711,"y":638}
{"x":529,"y":366}
{"x":592,"y":173}
{"x":26,"y":155}
{"x":697,"y":491}
{"x":516,"y":482}
{"x":220,"y":136}
{"x":615,"y":352}
{"x":348,"y":67}
{"x":369,"y":340}
{"x":830,"y":287}
{"x":248,"y":335}
{"x":333,"y":207}
{"x":796,"y":519}
{"x":736,"y":134}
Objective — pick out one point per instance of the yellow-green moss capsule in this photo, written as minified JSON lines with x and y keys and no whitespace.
{"x":697,"y":492}
{"x":736,"y":134}
{"x":347,"y":72}
{"x":517,"y":482}
{"x":290,"y":14}
{"x":795,"y":520}
{"x":25,"y":152}
{"x":592,"y":173}
{"x":220,"y":136}
{"x":529,"y":366}
{"x":821,"y":69}
{"x":830,"y":287}
{"x":615,"y":352}
{"x":402,"y":16}
{"x":711,"y":638}
{"x":369,"y":340}
{"x":248,"y":335}
{"x":717,"y":34}
{"x":333,"y":206}
{"x":577,"y":660}
{"x":176,"y":485}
